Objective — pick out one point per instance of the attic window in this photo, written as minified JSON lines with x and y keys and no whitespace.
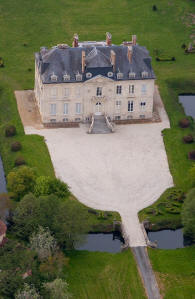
{"x":78,"y":77}
{"x":66,"y":77}
{"x":54,"y":78}
{"x":110,"y":74}
{"x":119,"y":75}
{"x":144,"y":74}
{"x":131,"y":75}
{"x":88,"y":75}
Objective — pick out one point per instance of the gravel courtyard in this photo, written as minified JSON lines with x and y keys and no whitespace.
{"x":124,"y":171}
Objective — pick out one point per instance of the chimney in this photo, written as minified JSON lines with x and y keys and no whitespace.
{"x":75,"y":42}
{"x":129,"y":53}
{"x":113,"y":59}
{"x":134,"y":37}
{"x":108,"y":39}
{"x":83,"y":61}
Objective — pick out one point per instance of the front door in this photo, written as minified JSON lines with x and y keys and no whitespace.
{"x":98,"y":108}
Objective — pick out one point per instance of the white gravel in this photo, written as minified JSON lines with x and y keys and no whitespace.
{"x":124,"y":171}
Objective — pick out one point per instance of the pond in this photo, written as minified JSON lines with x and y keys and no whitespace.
{"x":168,"y":239}
{"x":188,"y":102}
{"x":2,"y":178}
{"x":109,"y":242}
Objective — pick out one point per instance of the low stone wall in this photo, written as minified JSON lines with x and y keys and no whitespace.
{"x":61,"y":125}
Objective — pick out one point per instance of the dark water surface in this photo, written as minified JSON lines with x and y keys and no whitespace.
{"x":188,"y":102}
{"x":2,"y":178}
{"x":101,"y":242}
{"x":168,"y":239}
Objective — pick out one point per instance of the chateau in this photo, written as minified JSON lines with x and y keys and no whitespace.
{"x":94,"y":78}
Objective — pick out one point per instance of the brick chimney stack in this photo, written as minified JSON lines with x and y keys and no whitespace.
{"x":108,"y":39}
{"x":75,"y":42}
{"x":113,"y":59}
{"x":83,"y":61}
{"x":134,"y":38}
{"x":129,"y":53}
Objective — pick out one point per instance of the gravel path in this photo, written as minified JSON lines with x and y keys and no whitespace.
{"x":124,"y":171}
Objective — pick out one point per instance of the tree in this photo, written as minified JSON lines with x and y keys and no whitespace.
{"x":188,"y":213}
{"x":28,"y":292}
{"x":10,"y":281}
{"x":43,"y":243}
{"x":21,"y":181}
{"x":57,"y":289}
{"x":46,"y":185}
{"x":5,"y":205}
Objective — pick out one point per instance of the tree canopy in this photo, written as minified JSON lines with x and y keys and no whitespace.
{"x":188,"y":215}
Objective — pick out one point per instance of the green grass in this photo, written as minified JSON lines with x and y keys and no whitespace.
{"x":104,"y":275}
{"x":175,"y":271}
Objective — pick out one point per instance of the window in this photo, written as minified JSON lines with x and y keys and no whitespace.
{"x":144,"y":74}
{"x":143,"y":105}
{"x":77,"y":119}
{"x":119,"y":89}
{"x":54,"y":78}
{"x":143,"y":89}
{"x":129,"y":116}
{"x":130,"y":106}
{"x":52,"y":120}
{"x":110,"y":74}
{"x":66,"y":92}
{"x":78,"y":108}
{"x":65,"y":119}
{"x":53,"y":109}
{"x":54,"y":92}
{"x":118,"y":104}
{"x":88,"y":75}
{"x":117,"y":117}
{"x":119,"y":75}
{"x":131,"y":75}
{"x":99,"y":91}
{"x":142,"y":116}
{"x":131,"y":89}
{"x":65,"y":108}
{"x":78,"y":77}
{"x":66,"y":77}
{"x":78,"y":91}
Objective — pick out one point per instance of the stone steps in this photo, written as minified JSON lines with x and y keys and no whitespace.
{"x":100,"y":125}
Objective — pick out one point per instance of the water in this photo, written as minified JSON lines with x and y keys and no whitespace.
{"x":2,"y":178}
{"x":188,"y":102}
{"x":102,"y":242}
{"x":168,"y":239}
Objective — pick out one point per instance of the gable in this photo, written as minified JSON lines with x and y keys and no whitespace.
{"x":99,"y":79}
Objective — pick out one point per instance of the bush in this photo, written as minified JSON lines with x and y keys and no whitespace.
{"x":16,"y":146}
{"x":183,"y":46}
{"x":10,"y":131}
{"x":20,"y":161}
{"x":184,"y":123}
{"x":173,"y":58}
{"x":188,"y":139}
{"x":191,"y":155}
{"x":46,"y":186}
{"x":154,"y":8}
{"x":1,"y":62}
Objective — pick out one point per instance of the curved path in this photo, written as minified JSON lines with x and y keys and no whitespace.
{"x":125,"y":171}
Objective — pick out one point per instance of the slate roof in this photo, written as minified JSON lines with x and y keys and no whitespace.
{"x":60,"y":61}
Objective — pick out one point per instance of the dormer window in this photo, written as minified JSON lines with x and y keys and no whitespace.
{"x":54,"y":78}
{"x":110,"y":74}
{"x":78,"y":77}
{"x":144,"y":74}
{"x":131,"y":75}
{"x":88,"y":75}
{"x":66,"y":77}
{"x":119,"y":75}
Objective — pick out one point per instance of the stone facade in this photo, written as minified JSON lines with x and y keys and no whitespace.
{"x":129,"y":98}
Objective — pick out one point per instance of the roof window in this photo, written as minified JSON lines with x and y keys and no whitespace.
{"x":54,"y":78}
{"x":66,"y":77}
{"x":78,"y":77}
{"x":144,"y":74}
{"x":131,"y":75}
{"x":119,"y":75}
{"x":110,"y":74}
{"x":88,"y":75}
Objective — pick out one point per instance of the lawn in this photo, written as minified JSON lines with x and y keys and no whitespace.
{"x":174,"y":270}
{"x":104,"y":275}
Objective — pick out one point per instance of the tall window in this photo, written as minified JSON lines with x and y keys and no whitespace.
{"x":143,"y":105}
{"x":131,"y":89}
{"x":99,"y":91}
{"x":65,"y":108}
{"x":143,"y":89}
{"x":78,"y":108}
{"x":53,"y":109}
{"x":66,"y":92}
{"x":78,"y":91}
{"x":130,"y":106}
{"x":118,"y":104}
{"x":54,"y":92}
{"x":119,"y":89}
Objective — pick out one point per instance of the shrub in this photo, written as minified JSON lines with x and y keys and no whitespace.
{"x":191,"y":155}
{"x":29,"y":69}
{"x":154,"y":8}
{"x":188,"y":139}
{"x":184,"y":123}
{"x":16,"y":146}
{"x":10,"y":131}
{"x":1,"y":62}
{"x":173,"y":58}
{"x":46,"y":186}
{"x":20,"y":161}
{"x":183,"y":46}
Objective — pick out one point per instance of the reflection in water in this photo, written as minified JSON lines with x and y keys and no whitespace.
{"x":111,"y":242}
{"x":168,"y":239}
{"x":188,"y":102}
{"x":2,"y":179}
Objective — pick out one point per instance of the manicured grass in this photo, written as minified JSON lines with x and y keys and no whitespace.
{"x":104,"y":275}
{"x":175,"y":272}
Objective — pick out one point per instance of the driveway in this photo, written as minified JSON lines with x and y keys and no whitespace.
{"x":124,"y":171}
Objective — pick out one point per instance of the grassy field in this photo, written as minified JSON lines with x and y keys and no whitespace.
{"x":104,"y":275}
{"x":175,"y":272}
